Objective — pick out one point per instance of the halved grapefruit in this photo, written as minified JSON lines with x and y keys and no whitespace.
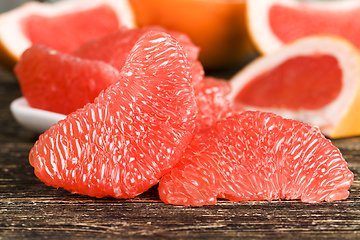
{"x":273,"y":23}
{"x":63,"y":25}
{"x":315,"y":80}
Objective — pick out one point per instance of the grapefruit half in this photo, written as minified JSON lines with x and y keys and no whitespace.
{"x":63,"y":25}
{"x":314,"y":80}
{"x":273,"y":23}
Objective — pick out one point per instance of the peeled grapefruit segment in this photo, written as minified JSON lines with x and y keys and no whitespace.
{"x":115,"y":47}
{"x":273,"y":23}
{"x":134,"y":132}
{"x":257,"y":156}
{"x":63,"y":25}
{"x":61,"y":83}
{"x":211,"y":99}
{"x":314,"y":80}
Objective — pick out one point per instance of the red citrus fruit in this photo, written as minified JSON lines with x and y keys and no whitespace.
{"x":314,"y":79}
{"x":210,"y":92}
{"x":273,"y":23}
{"x":115,"y":47}
{"x":63,"y":25}
{"x":61,"y":83}
{"x":257,"y":156}
{"x":133,"y":133}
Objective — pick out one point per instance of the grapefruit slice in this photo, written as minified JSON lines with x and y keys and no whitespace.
{"x":61,"y":83}
{"x":63,"y":25}
{"x":273,"y":23}
{"x":134,"y":132}
{"x":257,"y":156}
{"x":314,"y":80}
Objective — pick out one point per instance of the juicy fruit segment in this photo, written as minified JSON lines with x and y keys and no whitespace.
{"x":212,"y":103}
{"x":134,"y":132}
{"x":114,"y":48}
{"x":217,"y":27}
{"x":210,"y":92}
{"x":257,"y":156}
{"x":314,"y":80}
{"x":80,"y":28}
{"x":273,"y":23}
{"x":61,"y":83}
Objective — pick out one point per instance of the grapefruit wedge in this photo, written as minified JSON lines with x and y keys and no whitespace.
{"x":63,"y":25}
{"x":273,"y":23}
{"x":314,"y":80}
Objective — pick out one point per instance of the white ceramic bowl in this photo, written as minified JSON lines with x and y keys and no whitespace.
{"x":33,"y":119}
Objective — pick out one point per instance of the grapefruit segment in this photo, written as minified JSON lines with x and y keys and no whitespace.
{"x":213,"y":105}
{"x":210,"y":92}
{"x":115,"y":47}
{"x":314,"y":80}
{"x":63,"y":25}
{"x":133,"y":133}
{"x":257,"y":156}
{"x":61,"y":83}
{"x":273,"y":23}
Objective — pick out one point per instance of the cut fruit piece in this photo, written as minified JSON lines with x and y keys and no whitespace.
{"x":61,"y":83}
{"x":133,"y":133}
{"x":115,"y":47}
{"x":213,"y":105}
{"x":273,"y":23}
{"x":63,"y":25}
{"x":257,"y":156}
{"x":315,"y":80}
{"x":217,"y":27}
{"x":210,"y":92}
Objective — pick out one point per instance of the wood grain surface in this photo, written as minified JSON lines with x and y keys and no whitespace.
{"x":31,"y":210}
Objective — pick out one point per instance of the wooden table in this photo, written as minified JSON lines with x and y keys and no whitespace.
{"x":30,"y":209}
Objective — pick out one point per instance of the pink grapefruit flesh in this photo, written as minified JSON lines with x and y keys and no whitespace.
{"x":61,"y":83}
{"x":133,"y":133}
{"x":306,"y":21}
{"x":257,"y":156}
